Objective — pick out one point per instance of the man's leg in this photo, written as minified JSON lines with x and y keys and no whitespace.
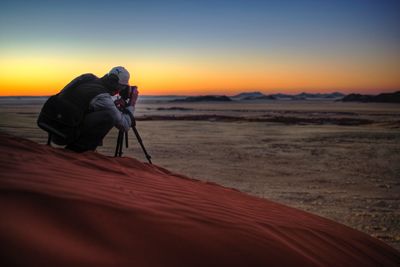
{"x":93,"y":129}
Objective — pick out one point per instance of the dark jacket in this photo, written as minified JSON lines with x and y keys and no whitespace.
{"x":95,"y":95}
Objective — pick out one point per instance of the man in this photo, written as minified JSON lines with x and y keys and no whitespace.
{"x":89,"y":100}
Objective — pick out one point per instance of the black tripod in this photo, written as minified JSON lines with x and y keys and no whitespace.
{"x":122,"y":134}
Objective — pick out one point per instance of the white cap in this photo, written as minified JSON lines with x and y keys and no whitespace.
{"x":122,"y":74}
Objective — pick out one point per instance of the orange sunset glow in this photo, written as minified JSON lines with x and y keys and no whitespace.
{"x":36,"y":77}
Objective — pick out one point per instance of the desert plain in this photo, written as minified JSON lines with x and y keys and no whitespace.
{"x":334,"y":159}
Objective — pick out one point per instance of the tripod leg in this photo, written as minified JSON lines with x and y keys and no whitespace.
{"x":119,"y":143}
{"x":116,"y":147}
{"x":126,"y":139}
{"x":141,"y":144}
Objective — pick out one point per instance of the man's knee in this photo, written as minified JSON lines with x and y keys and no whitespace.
{"x":108,"y":118}
{"x":100,"y":119}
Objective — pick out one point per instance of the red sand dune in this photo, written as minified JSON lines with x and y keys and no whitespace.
{"x":59,"y":208}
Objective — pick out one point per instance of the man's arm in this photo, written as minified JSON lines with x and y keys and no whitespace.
{"x":105,"y":102}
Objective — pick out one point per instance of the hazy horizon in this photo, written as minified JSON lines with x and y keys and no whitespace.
{"x":233,"y":94}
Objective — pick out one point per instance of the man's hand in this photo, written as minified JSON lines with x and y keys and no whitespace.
{"x":120,"y":104}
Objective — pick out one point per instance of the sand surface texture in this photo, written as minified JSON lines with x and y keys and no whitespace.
{"x":337,"y":160}
{"x":65,"y":209}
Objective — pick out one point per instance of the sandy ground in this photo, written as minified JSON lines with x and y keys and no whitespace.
{"x":337,"y":160}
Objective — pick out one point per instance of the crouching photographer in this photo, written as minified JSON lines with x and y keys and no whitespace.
{"x":82,"y":114}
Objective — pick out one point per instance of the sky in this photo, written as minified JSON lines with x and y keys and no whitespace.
{"x":203,"y":47}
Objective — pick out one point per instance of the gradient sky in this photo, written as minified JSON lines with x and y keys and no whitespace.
{"x":203,"y":47}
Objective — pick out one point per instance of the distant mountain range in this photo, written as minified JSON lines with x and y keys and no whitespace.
{"x":386,"y":97}
{"x":248,"y":95}
{"x":302,"y":96}
{"x":206,"y":98}
{"x":383,"y":98}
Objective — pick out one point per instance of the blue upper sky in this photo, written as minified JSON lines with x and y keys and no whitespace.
{"x":199,"y":23}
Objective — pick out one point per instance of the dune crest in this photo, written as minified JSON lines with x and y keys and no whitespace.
{"x":65,"y":209}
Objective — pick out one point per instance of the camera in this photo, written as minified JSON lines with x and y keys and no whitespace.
{"x":125,"y":97}
{"x":126,"y":93}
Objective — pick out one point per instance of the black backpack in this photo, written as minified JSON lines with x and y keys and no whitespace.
{"x":61,"y":118}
